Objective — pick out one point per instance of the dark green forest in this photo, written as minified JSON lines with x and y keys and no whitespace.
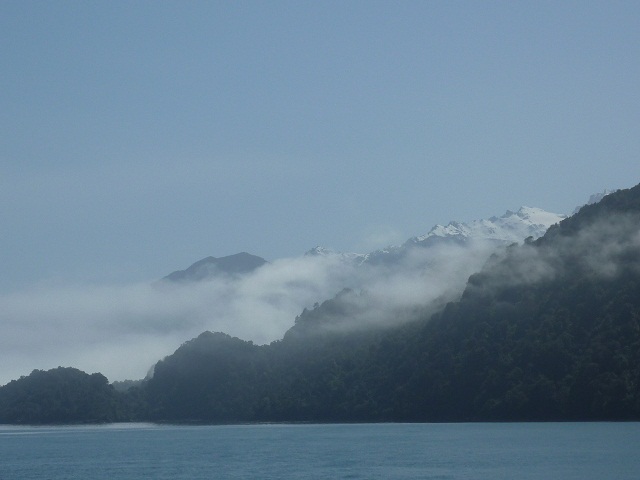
{"x":61,"y":395}
{"x":548,"y":330}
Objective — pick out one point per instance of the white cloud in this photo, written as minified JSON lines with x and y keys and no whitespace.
{"x":122,"y":330}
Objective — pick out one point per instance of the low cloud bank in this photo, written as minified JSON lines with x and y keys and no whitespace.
{"x":599,"y":248}
{"x":122,"y":330}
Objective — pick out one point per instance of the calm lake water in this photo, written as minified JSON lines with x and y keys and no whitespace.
{"x":367,"y":451}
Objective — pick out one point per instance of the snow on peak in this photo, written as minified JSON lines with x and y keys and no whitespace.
{"x":510,"y":227}
{"x":319,"y":251}
{"x":513,"y":226}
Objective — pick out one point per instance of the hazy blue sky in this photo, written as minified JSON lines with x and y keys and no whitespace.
{"x":139,"y":137}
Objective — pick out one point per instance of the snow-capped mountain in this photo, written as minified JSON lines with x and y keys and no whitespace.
{"x":510,"y":227}
{"x":318,"y":251}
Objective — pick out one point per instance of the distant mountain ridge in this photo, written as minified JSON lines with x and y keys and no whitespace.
{"x":509,"y":228}
{"x":349,"y":257}
{"x":512,"y":227}
{"x":238,"y":264}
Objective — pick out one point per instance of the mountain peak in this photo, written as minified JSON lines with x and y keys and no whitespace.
{"x":319,"y":251}
{"x":510,"y":227}
{"x":210,"y":267}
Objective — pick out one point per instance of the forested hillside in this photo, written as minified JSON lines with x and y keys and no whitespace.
{"x":548,"y":330}
{"x":62,"y":395}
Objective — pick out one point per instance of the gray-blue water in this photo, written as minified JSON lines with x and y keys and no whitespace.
{"x":370,"y":451}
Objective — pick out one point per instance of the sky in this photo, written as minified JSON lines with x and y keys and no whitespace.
{"x":139,"y":137}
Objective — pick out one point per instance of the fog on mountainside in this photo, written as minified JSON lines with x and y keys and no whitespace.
{"x":121,"y":330}
{"x":545,"y":330}
{"x":548,"y":330}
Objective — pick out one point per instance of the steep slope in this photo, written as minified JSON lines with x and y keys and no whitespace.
{"x":595,"y":198}
{"x":549,"y":330}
